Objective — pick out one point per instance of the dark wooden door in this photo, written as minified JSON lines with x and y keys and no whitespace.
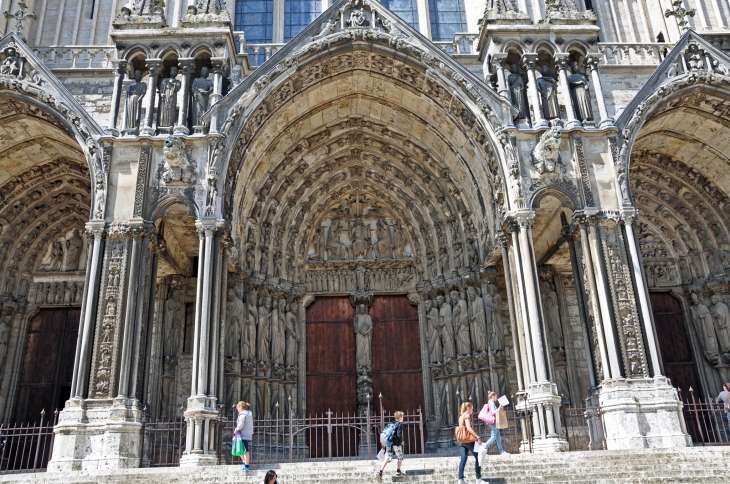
{"x":45,"y":378}
{"x":674,"y":343}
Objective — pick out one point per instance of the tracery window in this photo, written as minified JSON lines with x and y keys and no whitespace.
{"x":447,"y":18}
{"x":256,"y":19}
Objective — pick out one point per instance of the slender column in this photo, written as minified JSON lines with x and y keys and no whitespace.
{"x":592,"y":65}
{"x":204,"y":334}
{"x":216,"y":296}
{"x":198,"y":299}
{"x":529,"y":61}
{"x":424,"y":18}
{"x":219,"y":64}
{"x":646,"y":314}
{"x":130,"y":315}
{"x":721,"y":25}
{"x":602,"y":290}
{"x":561,"y":61}
{"x":153,"y":65}
{"x":186,"y":67}
{"x":498,"y":61}
{"x":83,"y":361}
{"x":119,"y":69}
{"x":523,"y":303}
{"x":512,"y":320}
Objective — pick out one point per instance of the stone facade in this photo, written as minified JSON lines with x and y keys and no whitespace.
{"x":532,"y":198}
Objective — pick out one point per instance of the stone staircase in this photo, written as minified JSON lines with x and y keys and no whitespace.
{"x":695,"y":465}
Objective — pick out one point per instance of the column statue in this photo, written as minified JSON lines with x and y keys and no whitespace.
{"x":234,"y":326}
{"x":201,"y":90}
{"x":6,"y":324}
{"x":292,"y":336}
{"x":264,"y":329}
{"x":552,"y":315}
{"x":73,"y":250}
{"x":433,"y":332}
{"x":136,"y":91}
{"x":517,"y":92}
{"x":173,"y":310}
{"x":477,"y":320}
{"x":447,"y":328}
{"x":547,"y":86}
{"x":580,"y":94}
{"x":721,"y":315}
{"x":460,"y":317}
{"x":248,"y":339}
{"x":363,"y":330}
{"x":169,"y":88}
{"x":493,"y":305}
{"x":278,"y":325}
{"x":705,"y":328}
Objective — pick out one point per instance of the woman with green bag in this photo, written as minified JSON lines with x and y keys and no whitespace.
{"x":241,"y":445}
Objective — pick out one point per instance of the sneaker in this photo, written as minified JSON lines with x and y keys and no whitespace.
{"x":398,"y":473}
{"x":244,"y":468}
{"x":379,"y":476}
{"x":479,"y":481}
{"x":504,"y":453}
{"x":462,"y":481}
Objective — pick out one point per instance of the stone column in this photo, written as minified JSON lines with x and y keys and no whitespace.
{"x":561,"y":60}
{"x":498,"y":61}
{"x":592,"y":65}
{"x":219,"y":64}
{"x":119,"y":69}
{"x":153,"y":65}
{"x":185,"y":64}
{"x":529,"y":61}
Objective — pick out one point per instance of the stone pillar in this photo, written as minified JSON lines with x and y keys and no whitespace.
{"x":529,"y":61}
{"x":153,"y":65}
{"x":219,"y":64}
{"x":561,"y":60}
{"x":119,"y":69}
{"x":498,"y":61}
{"x":186,"y":68}
{"x":592,"y":65}
{"x":543,"y":396}
{"x":201,"y":413}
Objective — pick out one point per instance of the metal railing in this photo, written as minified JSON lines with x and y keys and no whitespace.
{"x":583,"y":429}
{"x":707,"y":422}
{"x":163,"y":442}
{"x":27,"y":447}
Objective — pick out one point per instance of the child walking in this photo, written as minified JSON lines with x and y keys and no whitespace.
{"x":395,"y":447}
{"x":244,"y":426}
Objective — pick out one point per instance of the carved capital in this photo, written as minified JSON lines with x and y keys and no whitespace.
{"x":362,"y":297}
{"x":153,"y":64}
{"x":529,"y":61}
{"x":562,"y":61}
{"x":118,"y":230}
{"x":592,"y":61}
{"x":499,"y":60}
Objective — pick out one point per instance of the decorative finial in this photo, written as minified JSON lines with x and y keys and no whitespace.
{"x":20,"y":16}
{"x":680,"y":13}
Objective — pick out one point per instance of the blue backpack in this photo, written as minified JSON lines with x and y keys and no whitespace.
{"x":387,"y":435}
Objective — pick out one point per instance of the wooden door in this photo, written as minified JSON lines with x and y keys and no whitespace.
{"x":674,"y":343}
{"x":45,"y":378}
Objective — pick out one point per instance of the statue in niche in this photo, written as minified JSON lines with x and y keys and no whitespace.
{"x":169,"y":88}
{"x":580,"y":94}
{"x":460,"y":318}
{"x":517,"y":92}
{"x":447,"y":327}
{"x":493,"y":307}
{"x":234,"y":326}
{"x":292,"y":336}
{"x":721,"y":315}
{"x":73,"y":250}
{"x":11,"y":63}
{"x":136,"y":91}
{"x":264,"y":329}
{"x":477,"y":320}
{"x":705,"y":328}
{"x":363,"y":329}
{"x":248,"y":338}
{"x":278,"y":326}
{"x":433,"y":331}
{"x":56,"y":257}
{"x":317,"y":243}
{"x":444,"y":260}
{"x":384,"y":243}
{"x":335,"y":248}
{"x":547,"y":86}
{"x":202,"y":89}
{"x":552,"y":314}
{"x":694,"y":57}
{"x":173,"y":317}
{"x":6,"y":324}
{"x":360,"y":239}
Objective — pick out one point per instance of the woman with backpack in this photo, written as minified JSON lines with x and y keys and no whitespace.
{"x":392,"y":439}
{"x":466,"y":437}
{"x":496,"y":436}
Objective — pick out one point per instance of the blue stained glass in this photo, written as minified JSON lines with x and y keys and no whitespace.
{"x":405,"y":9}
{"x":256,"y":19}
{"x":447,"y":18}
{"x":298,"y":14}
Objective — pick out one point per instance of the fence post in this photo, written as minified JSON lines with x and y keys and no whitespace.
{"x":367,"y":424}
{"x":458,"y":404}
{"x":420,"y":428}
{"x":144,"y":431}
{"x":697,"y":414}
{"x":276,"y":432}
{"x":38,"y":443}
{"x":382,"y":413}
{"x":329,"y":433}
{"x":291,"y":432}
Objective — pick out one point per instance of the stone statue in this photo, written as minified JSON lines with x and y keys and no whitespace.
{"x":334,"y":246}
{"x":517,"y":92}
{"x":694,"y":57}
{"x":248,"y":338}
{"x":173,"y":313}
{"x":460,"y":318}
{"x":202,"y":89}
{"x":384,"y":244}
{"x":73,"y":250}
{"x":545,"y":155}
{"x":399,"y":241}
{"x":6,"y":324}
{"x":292,"y":336}
{"x":11,"y":63}
{"x":721,"y":315}
{"x":433,"y":332}
{"x":169,"y":88}
{"x":444,"y":260}
{"x":264,"y":329}
{"x":234,"y":326}
{"x":705,"y":328}
{"x":360,"y":239}
{"x":317,"y":244}
{"x":363,"y":330}
{"x":547,"y":86}
{"x":135,"y":93}
{"x":579,"y":92}
{"x":278,"y":326}
{"x":493,"y":306}
{"x":447,"y":327}
{"x":56,"y":257}
{"x":477,"y":320}
{"x":552,"y":315}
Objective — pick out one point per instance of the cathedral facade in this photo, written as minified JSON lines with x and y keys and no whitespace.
{"x":303,"y":205}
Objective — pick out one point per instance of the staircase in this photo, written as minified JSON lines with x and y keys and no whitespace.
{"x":694,"y":465}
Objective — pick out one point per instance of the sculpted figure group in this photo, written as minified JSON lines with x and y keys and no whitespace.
{"x":712,"y":326}
{"x":359,"y":239}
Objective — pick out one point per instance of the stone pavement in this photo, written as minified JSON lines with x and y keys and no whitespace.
{"x":696,"y":465}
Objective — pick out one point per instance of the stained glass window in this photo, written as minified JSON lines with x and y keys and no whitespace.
{"x":256,"y":19}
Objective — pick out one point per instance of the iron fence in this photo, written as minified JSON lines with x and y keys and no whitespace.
{"x":27,"y":447}
{"x":707,"y":422}
{"x":163,"y":441}
{"x":583,"y":427}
